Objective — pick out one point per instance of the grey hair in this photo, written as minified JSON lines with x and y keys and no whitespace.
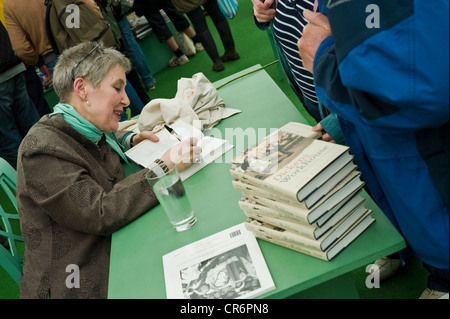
{"x":93,"y":68}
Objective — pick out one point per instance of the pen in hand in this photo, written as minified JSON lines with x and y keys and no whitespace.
{"x":172,"y":131}
{"x":178,"y":137}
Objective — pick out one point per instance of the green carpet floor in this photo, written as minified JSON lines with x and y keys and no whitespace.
{"x":254,"y":48}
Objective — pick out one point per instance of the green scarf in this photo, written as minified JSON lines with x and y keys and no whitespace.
{"x":86,"y":128}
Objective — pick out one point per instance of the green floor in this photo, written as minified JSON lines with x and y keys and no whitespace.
{"x":254,"y":48}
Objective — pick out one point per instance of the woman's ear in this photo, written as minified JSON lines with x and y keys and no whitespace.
{"x":80,"y":89}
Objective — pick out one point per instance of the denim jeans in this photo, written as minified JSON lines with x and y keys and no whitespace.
{"x":17,"y":115}
{"x":136,"y":54}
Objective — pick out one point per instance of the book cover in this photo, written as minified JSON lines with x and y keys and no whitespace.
{"x":290,"y":164}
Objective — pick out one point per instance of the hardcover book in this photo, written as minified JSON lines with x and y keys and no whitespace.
{"x":290,"y":164}
{"x":327,"y":248}
{"x":279,"y":219}
{"x":339,"y":194}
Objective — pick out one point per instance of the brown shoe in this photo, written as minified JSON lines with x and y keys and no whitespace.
{"x":230,"y":56}
{"x":218,"y":66}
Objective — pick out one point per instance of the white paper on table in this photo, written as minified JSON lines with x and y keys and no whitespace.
{"x":228,"y":264}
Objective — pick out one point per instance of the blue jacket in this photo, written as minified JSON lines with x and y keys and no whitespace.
{"x":389,"y":84}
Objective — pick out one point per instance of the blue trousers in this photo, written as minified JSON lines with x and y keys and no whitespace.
{"x":136,"y":54}
{"x":17,"y":115}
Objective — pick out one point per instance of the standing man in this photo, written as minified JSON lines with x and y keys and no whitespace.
{"x":383,"y":67}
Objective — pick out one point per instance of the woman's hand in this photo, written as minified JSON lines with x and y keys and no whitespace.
{"x":145,"y":135}
{"x":183,"y":154}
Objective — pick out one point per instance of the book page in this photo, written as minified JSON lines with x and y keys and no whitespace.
{"x":146,"y":152}
{"x":228,"y":264}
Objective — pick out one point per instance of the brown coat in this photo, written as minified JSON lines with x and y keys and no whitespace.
{"x":25,"y":22}
{"x":72,"y":194}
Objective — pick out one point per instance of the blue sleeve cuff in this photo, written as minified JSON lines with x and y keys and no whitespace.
{"x":331,"y":125}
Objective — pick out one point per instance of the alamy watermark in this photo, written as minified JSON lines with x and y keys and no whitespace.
{"x":373,"y":279}
{"x":73,"y":19}
{"x":73,"y":280}
{"x":373,"y":19}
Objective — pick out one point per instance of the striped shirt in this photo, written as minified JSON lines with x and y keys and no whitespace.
{"x":288,"y":27}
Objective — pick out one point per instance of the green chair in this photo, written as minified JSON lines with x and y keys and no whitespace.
{"x":9,"y":225}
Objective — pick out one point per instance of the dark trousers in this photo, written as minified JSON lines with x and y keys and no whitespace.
{"x":150,"y":9}
{"x":438,"y":279}
{"x":198,"y":19}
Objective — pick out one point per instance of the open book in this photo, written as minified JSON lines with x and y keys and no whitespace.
{"x":146,"y":152}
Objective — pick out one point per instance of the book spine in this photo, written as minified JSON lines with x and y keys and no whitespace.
{"x":302,"y":249}
{"x":295,"y":213}
{"x":263,"y":185}
{"x":287,"y":236}
{"x":299,"y":229}
{"x":252,"y":204}
{"x":246,"y":187}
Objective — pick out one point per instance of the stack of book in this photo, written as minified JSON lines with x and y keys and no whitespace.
{"x":301,"y":193}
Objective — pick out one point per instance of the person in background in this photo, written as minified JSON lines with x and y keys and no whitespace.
{"x":17,"y":112}
{"x":151,"y":10}
{"x":132,"y":47}
{"x":198,"y":20}
{"x":35,"y":90}
{"x":286,"y":19}
{"x":25,"y":22}
{"x":384,"y":69}
{"x":138,"y":96}
{"x":72,"y":191}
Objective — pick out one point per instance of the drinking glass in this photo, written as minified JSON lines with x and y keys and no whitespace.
{"x":172,"y":196}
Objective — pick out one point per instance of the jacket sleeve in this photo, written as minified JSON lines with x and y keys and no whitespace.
{"x":261,"y":25}
{"x":22,"y":47}
{"x":85,"y":195}
{"x":393,"y":77}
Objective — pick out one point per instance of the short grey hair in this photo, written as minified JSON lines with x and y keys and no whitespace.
{"x":95,"y":64}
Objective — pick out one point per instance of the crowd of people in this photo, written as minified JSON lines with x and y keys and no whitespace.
{"x":376,"y":81}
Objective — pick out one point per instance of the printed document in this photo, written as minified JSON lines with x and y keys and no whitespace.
{"x":228,"y":264}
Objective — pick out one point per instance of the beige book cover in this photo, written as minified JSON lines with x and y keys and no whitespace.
{"x":290,"y":164}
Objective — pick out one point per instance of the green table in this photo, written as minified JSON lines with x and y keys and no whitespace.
{"x":136,"y":269}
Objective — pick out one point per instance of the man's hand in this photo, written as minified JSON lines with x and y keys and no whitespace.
{"x":317,"y":30}
{"x":325,"y":136}
{"x":262,"y":10}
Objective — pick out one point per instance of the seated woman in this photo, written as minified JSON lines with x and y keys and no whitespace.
{"x":72,"y":192}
